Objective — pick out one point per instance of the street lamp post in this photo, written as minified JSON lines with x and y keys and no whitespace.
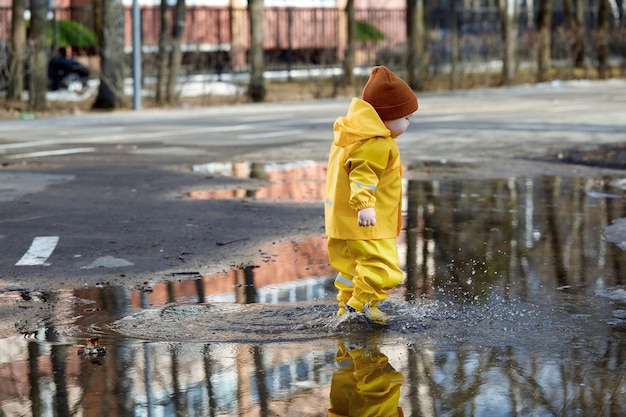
{"x":136,"y":56}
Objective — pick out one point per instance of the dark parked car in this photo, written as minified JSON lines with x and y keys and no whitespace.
{"x":63,"y":74}
{"x":66,"y":74}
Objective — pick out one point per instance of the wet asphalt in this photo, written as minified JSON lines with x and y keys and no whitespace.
{"x":113,"y":189}
{"x":167,"y":227}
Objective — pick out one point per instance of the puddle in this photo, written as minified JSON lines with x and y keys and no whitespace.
{"x":513,"y":304}
{"x":296,"y":271}
{"x":301,"y":181}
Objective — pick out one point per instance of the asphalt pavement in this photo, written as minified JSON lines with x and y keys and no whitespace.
{"x":105,"y":197}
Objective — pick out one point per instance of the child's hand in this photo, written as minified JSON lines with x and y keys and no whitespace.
{"x":367,"y":217}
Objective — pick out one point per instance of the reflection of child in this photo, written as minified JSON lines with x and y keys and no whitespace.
{"x":364,"y":193}
{"x":365,"y":385}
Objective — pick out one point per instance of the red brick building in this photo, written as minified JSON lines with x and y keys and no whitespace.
{"x":310,"y":31}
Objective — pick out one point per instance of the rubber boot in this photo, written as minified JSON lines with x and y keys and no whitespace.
{"x":370,"y":311}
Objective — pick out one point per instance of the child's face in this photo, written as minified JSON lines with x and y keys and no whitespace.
{"x":398,"y":126}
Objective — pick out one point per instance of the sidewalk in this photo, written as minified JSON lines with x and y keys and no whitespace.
{"x":513,"y":125}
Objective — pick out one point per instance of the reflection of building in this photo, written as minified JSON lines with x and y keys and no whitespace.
{"x":229,"y":379}
{"x":39,"y":378}
{"x":289,"y":272}
{"x":299,"y":181}
{"x":159,"y":379}
{"x":294,"y":271}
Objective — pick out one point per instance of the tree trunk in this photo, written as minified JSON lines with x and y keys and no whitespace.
{"x":454,"y":46}
{"x":602,"y":39}
{"x":507,"y":10}
{"x":544,"y":29}
{"x":176,"y":55}
{"x":15,"y":86}
{"x":97,"y":18}
{"x":575,"y":24}
{"x":348,"y":62}
{"x":163,"y":58}
{"x":112,"y":62}
{"x":415,"y":63}
{"x":38,"y":62}
{"x":349,"y":56}
{"x":256,"y":88}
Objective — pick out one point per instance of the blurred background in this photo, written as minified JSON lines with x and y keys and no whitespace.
{"x":325,"y":45}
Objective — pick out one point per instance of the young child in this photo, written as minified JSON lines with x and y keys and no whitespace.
{"x":364,"y":194}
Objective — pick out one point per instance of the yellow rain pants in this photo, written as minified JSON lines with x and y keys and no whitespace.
{"x":367,"y":268}
{"x":365,"y":385}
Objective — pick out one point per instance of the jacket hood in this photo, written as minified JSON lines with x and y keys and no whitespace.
{"x":361,"y":123}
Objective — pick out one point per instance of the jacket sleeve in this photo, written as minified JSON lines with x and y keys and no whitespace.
{"x":366,"y":164}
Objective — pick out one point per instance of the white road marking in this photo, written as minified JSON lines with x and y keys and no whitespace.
{"x":270,"y":134}
{"x":50,"y":153}
{"x":121,"y":137}
{"x":25,"y":144}
{"x":39,"y":251}
{"x":135,"y":137}
{"x":260,"y":118}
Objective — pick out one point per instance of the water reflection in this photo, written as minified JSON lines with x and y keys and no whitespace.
{"x":148,"y":378}
{"x":365,"y":384}
{"x":301,"y":181}
{"x":293,"y":271}
{"x":518,"y":238}
{"x":474,"y":246}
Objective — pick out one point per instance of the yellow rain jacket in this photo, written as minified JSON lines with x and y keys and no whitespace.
{"x":364,"y":170}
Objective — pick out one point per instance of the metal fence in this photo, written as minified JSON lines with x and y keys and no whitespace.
{"x":216,"y":39}
{"x":293,"y":37}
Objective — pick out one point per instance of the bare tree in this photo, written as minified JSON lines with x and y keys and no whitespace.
{"x":38,"y":62}
{"x":176,"y":56}
{"x":170,"y":53}
{"x":575,"y":24}
{"x":97,"y":17}
{"x":17,"y":58}
{"x":109,"y":15}
{"x":508,"y":11}
{"x":256,"y":87}
{"x":602,"y":39}
{"x":348,"y":62}
{"x":416,"y":51}
{"x":163,"y":57}
{"x":454,"y":45}
{"x":544,"y":29}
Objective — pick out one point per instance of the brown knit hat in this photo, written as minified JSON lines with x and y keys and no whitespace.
{"x":389,"y":94}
